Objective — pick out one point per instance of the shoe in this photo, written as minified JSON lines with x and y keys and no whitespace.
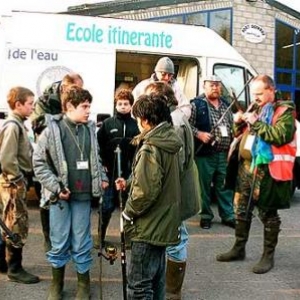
{"x":205,"y":224}
{"x":230,"y":223}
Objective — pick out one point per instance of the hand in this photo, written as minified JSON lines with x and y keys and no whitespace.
{"x":205,"y":137}
{"x":21,"y":183}
{"x":238,"y":117}
{"x":250,"y":118}
{"x":120,"y":184}
{"x":65,"y":194}
{"x":127,"y":218}
{"x":104,"y":185}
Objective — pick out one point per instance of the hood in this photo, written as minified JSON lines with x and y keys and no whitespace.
{"x":162,"y":136}
{"x":285,"y":103}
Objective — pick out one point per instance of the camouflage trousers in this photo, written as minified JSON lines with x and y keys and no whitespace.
{"x":13,"y":209}
{"x":247,"y":183}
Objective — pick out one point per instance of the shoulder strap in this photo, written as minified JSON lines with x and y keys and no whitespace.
{"x":11,"y":121}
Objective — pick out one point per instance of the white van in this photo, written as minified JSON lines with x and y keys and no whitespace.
{"x":40,"y":48}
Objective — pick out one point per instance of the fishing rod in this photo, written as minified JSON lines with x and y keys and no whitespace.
{"x":234,"y":102}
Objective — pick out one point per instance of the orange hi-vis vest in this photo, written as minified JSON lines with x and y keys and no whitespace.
{"x":281,"y":167}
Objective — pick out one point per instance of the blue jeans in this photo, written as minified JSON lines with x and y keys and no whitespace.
{"x":70,"y":234}
{"x":146,"y":274}
{"x":178,"y":253}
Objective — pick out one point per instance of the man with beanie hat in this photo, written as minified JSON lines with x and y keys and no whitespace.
{"x":164,"y":71}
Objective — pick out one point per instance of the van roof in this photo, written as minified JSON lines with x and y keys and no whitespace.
{"x":90,"y":33}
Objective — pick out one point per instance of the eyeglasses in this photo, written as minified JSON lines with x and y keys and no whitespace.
{"x":164,"y":74}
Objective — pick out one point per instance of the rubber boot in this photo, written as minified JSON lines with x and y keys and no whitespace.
{"x":3,"y":264}
{"x":83,"y":286}
{"x":57,"y":284}
{"x":266,"y":262}
{"x":174,"y":279}
{"x":15,"y":270}
{"x":45,"y":220}
{"x":238,"y":251}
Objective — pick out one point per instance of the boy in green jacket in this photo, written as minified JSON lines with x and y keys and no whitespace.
{"x":152,"y":211}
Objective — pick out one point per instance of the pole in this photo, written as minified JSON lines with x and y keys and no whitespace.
{"x":100,"y":248}
{"x":122,"y":233}
{"x":251,"y":193}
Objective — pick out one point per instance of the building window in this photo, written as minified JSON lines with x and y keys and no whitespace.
{"x":218,"y":20}
{"x":284,"y":46}
{"x":174,"y":19}
{"x":287,"y":62}
{"x":197,"y":19}
{"x":297,"y":45}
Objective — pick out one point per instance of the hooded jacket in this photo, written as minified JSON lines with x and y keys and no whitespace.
{"x":154,"y":198}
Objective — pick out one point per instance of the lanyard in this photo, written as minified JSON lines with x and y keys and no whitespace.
{"x":76,"y":140}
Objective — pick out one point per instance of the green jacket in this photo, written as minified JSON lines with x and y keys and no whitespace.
{"x":16,"y":150}
{"x":155,"y":194}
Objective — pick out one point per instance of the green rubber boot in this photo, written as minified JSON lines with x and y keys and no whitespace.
{"x":238,"y":251}
{"x":174,"y":279}
{"x":83,"y":286}
{"x":3,"y":264}
{"x":15,"y":270}
{"x":57,"y":284}
{"x":266,"y":262}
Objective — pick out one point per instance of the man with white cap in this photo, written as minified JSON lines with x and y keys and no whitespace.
{"x":212,"y":142}
{"x":164,"y":71}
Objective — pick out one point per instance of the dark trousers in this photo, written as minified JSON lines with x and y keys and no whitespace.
{"x":146,"y":274}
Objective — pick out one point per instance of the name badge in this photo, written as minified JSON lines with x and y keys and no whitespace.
{"x":249,"y":142}
{"x":82,"y":165}
{"x":224,"y":132}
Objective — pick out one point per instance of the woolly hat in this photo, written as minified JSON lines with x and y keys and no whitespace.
{"x":164,"y":64}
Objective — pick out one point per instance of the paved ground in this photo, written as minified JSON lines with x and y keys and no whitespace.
{"x":206,"y":279}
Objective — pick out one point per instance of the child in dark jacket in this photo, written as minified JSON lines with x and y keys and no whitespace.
{"x":117,"y":130}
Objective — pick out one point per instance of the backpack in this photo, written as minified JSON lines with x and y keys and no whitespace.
{"x":1,"y":131}
{"x":48,"y":103}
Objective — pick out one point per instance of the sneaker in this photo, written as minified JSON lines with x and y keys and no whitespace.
{"x":205,"y":224}
{"x":230,"y":223}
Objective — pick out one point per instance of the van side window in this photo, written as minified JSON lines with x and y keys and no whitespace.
{"x":233,"y":77}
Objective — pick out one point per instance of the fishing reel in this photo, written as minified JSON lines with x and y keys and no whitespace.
{"x":111,"y":253}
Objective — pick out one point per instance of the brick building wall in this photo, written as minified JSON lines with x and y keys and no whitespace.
{"x":260,"y":55}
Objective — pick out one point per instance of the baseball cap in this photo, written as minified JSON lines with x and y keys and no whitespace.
{"x":212,"y":78}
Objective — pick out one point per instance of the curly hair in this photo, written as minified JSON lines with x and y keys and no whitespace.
{"x":124,"y":94}
{"x":75,"y":95}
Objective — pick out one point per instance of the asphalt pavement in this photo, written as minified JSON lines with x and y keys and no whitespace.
{"x":206,"y":279}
